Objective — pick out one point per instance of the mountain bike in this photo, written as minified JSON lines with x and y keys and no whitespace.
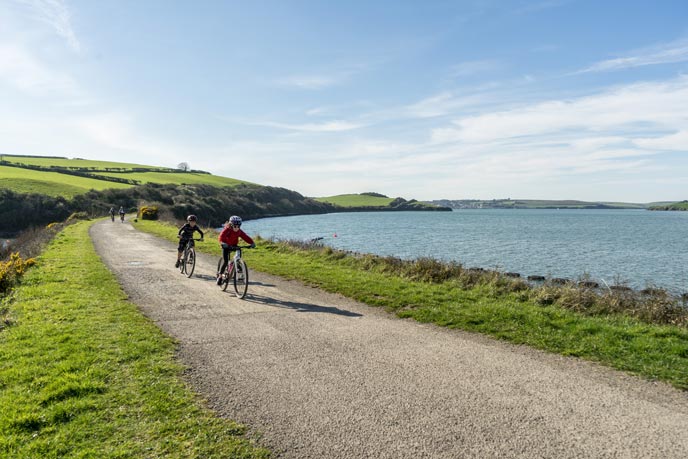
{"x":121,"y":217}
{"x":235,"y":272}
{"x":188,"y":261}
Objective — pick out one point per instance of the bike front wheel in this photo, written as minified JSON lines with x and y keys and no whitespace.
{"x":240,"y":278}
{"x":229,"y":275}
{"x":182,"y":263}
{"x":190,"y":262}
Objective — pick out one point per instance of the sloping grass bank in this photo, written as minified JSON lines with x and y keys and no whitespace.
{"x":653,"y":351}
{"x":84,"y":374}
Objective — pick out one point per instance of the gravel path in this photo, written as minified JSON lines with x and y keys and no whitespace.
{"x":315,"y":375}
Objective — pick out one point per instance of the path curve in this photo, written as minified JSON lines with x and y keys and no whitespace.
{"x":316,"y":375}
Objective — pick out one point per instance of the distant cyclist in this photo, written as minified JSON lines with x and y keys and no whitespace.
{"x":121,"y":214}
{"x":185,"y":233}
{"x":229,"y":237}
{"x":112,"y":213}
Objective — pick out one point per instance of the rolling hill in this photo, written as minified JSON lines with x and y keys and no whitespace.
{"x":37,"y":190}
{"x":59,"y":176}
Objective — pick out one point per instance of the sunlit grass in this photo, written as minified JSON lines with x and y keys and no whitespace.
{"x":50,"y":183}
{"x":188,"y":178}
{"x":356,"y":200}
{"x":84,"y":374}
{"x":66,"y":162}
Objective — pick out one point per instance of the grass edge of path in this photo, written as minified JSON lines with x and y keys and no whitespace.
{"x":83,"y":373}
{"x":655,"y":352}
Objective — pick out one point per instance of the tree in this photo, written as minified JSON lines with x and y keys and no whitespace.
{"x":183,"y":166}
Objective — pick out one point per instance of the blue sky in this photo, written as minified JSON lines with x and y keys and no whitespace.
{"x":482,"y":99}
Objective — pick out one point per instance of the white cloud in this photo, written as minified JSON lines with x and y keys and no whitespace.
{"x":676,"y":142}
{"x":329,"y":126}
{"x":669,"y":53}
{"x":21,"y":70}
{"x":660,"y":106}
{"x":570,"y":148}
{"x":55,"y":14}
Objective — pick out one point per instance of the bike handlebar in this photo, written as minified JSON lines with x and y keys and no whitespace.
{"x":234,"y":247}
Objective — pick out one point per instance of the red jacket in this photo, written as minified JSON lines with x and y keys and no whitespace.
{"x":231,"y":237}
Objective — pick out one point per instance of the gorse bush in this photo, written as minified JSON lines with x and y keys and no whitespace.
{"x":149,"y":213}
{"x":12,"y":270}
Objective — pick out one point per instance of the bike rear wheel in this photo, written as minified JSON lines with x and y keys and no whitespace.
{"x":240,"y":278}
{"x":190,"y":261}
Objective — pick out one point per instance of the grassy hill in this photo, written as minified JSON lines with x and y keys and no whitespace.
{"x":376,"y":202}
{"x":58,"y":161}
{"x":57,"y":176}
{"x":51,"y":183}
{"x":683,"y":205}
{"x":356,"y":200}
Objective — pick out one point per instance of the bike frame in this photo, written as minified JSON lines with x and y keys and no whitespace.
{"x":229,"y":272}
{"x":183,"y":268}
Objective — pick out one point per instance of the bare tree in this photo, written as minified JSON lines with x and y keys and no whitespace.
{"x":183,"y":166}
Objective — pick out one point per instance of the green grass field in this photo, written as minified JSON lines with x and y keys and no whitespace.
{"x":356,"y":200}
{"x":176,"y":177}
{"x":652,"y":351}
{"x":50,"y":183}
{"x":683,"y":205}
{"x":47,"y":162}
{"x":84,"y":374}
{"x":56,"y":184}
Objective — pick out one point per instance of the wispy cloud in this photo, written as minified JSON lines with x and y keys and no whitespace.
{"x":470,"y":68}
{"x":21,"y":70}
{"x":618,"y":132}
{"x":329,"y":126}
{"x":627,"y":110}
{"x":56,"y":14}
{"x":669,"y":53}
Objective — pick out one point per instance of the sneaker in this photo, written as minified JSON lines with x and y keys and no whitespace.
{"x":176,"y":265}
{"x":219,"y":280}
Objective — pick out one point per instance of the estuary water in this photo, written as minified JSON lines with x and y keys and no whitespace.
{"x":637,"y":247}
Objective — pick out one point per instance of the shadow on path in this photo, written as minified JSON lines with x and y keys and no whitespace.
{"x":301,"y":307}
{"x":208,"y":277}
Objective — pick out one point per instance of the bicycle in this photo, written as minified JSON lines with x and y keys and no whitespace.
{"x":188,"y":261}
{"x":236,"y":271}
{"x":121,"y":217}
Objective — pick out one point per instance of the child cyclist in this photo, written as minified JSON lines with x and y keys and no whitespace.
{"x":229,"y":238}
{"x":185,"y":233}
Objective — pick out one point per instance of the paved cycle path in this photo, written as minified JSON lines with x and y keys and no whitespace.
{"x":315,"y":375}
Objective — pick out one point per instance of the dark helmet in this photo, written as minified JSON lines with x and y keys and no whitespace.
{"x":191,"y":218}
{"x":235,"y":220}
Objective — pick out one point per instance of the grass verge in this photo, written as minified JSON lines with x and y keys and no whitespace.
{"x":84,"y":374}
{"x":653,"y":351}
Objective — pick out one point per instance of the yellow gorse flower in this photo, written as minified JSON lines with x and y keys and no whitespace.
{"x":12,"y":270}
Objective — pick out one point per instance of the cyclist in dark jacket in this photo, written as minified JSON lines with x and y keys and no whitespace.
{"x":185,"y":233}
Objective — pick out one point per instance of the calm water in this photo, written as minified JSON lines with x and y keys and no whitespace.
{"x":639,"y":247}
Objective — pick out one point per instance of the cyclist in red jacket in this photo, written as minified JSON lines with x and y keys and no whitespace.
{"x":229,"y":238}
